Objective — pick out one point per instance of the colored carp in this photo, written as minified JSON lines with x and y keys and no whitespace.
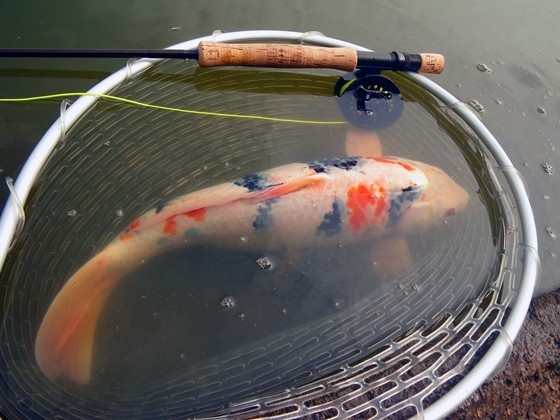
{"x":291,"y":207}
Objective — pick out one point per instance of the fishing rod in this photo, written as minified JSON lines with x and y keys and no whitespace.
{"x":212,"y":54}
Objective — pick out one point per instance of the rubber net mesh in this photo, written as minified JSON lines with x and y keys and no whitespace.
{"x":316,"y":335}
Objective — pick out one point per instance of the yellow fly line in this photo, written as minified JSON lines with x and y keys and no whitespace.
{"x":168,"y":108}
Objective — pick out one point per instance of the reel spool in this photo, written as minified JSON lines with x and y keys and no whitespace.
{"x":369,"y":101}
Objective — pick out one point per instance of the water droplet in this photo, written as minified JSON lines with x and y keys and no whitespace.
{"x":243,"y":239}
{"x":155,"y":314}
{"x":142,"y":261}
{"x":484,"y":68}
{"x":205,"y":167}
{"x":416,"y":286}
{"x":541,"y":110}
{"x":498,"y":101}
{"x":550,"y":232}
{"x":107,"y":143}
{"x":241,"y":316}
{"x":369,"y":112}
{"x":71,"y":213}
{"x":265,"y":263}
{"x":227,"y":302}
{"x":119,"y":213}
{"x":548,"y":168}
{"x":477,"y":106}
{"x":337,"y":304}
{"x":181,"y":355}
{"x":284,"y":311}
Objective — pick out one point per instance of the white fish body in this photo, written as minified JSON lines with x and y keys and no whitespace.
{"x":326,"y":202}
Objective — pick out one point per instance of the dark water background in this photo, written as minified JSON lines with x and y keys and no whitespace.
{"x":517,"y":41}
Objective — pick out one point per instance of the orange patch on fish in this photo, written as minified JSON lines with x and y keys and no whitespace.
{"x":360,"y":197}
{"x":170,"y":226}
{"x":198,"y":214}
{"x":126,"y":235}
{"x":134,"y":225}
{"x":405,"y":165}
{"x":381,"y":202}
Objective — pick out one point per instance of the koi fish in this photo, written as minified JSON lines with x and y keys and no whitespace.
{"x":320,"y":203}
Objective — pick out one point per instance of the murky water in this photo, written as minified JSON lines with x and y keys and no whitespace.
{"x":511,"y":77}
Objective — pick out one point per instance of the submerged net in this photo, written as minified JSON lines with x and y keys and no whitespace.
{"x":321,"y":337}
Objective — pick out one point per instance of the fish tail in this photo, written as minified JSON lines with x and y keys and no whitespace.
{"x":64,"y":343}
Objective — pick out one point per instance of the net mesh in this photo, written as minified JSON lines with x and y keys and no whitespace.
{"x":374,"y":349}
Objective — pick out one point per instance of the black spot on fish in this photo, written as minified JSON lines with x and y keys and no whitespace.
{"x":323,"y":165}
{"x":253,"y":182}
{"x":401,"y":202}
{"x":160,"y":207}
{"x":192,"y":233}
{"x":332,"y":221}
{"x":264,"y":219}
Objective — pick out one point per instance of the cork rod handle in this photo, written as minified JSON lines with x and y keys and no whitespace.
{"x":212,"y":54}
{"x":276,"y":55}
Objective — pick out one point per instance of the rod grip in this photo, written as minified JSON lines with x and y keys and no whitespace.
{"x":212,"y":54}
{"x":432,"y":63}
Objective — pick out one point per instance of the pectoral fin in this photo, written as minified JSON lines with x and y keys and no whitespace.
{"x":391,"y":256}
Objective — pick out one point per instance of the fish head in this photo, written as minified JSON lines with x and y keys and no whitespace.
{"x":438,"y":199}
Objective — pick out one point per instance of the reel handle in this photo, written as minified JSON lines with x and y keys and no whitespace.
{"x":211,"y":54}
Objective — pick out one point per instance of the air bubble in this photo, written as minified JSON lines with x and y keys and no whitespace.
{"x":550,"y":232}
{"x":548,"y":168}
{"x":241,"y":316}
{"x":119,"y":213}
{"x":337,"y":304}
{"x":71,"y":213}
{"x":227,"y":302}
{"x":107,"y":143}
{"x":243,"y":239}
{"x":265,"y":263}
{"x":477,"y":106}
{"x":484,"y":68}
{"x":541,"y":110}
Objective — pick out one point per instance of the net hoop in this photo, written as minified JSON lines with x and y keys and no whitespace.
{"x":497,"y":353}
